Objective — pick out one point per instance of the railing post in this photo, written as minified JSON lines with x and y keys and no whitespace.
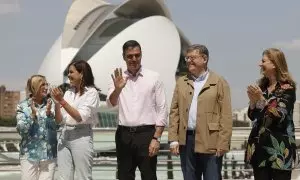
{"x":233,"y":166}
{"x":117,"y":174}
{"x":225,"y":167}
{"x":169,"y":167}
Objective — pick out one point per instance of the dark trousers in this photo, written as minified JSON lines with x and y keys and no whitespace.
{"x":132,"y":146}
{"x":194,"y":165}
{"x":271,"y":174}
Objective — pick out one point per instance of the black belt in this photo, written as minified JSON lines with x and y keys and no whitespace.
{"x":190,"y":132}
{"x":134,"y":129}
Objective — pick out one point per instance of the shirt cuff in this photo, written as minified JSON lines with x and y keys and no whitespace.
{"x":173,"y":144}
{"x":261,"y":104}
{"x":108,"y":103}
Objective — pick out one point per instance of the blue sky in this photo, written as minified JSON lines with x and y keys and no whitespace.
{"x":236,"y":32}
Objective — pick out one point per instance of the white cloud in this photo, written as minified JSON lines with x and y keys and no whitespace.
{"x":292,"y":45}
{"x":9,"y":6}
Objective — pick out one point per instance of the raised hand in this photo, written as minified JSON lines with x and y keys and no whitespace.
{"x":119,"y":80}
{"x":49,"y":103}
{"x":33,"y":109}
{"x":48,"y":107}
{"x":255,"y":93}
{"x":250,"y":95}
{"x":57,"y":94}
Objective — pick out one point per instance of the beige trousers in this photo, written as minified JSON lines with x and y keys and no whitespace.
{"x":40,"y":170}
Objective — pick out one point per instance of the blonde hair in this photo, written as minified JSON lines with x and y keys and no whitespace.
{"x":277,"y":57}
{"x":34,"y":84}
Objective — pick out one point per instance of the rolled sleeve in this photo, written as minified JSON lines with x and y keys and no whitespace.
{"x":64,"y":113}
{"x":24,"y":121}
{"x":278,"y":108}
{"x":254,"y":113}
{"x":161,"y":104}
{"x":89,"y":107}
{"x":173,"y":144}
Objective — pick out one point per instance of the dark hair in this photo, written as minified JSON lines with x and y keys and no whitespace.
{"x":200,"y":48}
{"x":64,"y":87}
{"x":87,"y":75}
{"x":132,"y":44}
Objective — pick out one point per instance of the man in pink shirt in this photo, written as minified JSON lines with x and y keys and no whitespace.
{"x":140,"y":97}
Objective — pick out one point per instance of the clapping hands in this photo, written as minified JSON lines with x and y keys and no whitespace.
{"x":254,"y":93}
{"x":48,"y":107}
{"x":33,"y":108}
{"x":57,"y":94}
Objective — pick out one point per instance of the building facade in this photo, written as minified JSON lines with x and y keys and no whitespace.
{"x":296,"y":114}
{"x":8,"y":102}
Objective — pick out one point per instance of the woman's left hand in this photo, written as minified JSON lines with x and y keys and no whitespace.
{"x":57,"y":94}
{"x":256,"y":92}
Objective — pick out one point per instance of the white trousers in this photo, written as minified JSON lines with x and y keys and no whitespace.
{"x":39,"y":170}
{"x":75,"y":153}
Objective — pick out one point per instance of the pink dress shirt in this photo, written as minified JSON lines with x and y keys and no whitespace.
{"x":142,"y":100}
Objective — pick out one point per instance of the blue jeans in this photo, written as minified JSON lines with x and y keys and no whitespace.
{"x":195,"y":165}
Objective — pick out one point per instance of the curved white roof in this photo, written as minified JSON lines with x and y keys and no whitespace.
{"x":77,"y":13}
{"x":51,"y":66}
{"x":160,"y":48}
{"x":95,"y":31}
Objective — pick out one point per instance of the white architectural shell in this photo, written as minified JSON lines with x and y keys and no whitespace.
{"x":96,"y":31}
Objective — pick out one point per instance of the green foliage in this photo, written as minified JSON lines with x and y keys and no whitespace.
{"x":240,"y":123}
{"x":8,"y":122}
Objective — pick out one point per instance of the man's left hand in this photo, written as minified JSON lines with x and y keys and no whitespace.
{"x":154,"y":147}
{"x":220,"y":152}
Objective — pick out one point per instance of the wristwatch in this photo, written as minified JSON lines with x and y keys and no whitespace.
{"x":157,"y":139}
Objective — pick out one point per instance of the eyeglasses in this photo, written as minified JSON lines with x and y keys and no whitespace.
{"x":192,"y":58}
{"x":130,"y":56}
{"x":45,"y":84}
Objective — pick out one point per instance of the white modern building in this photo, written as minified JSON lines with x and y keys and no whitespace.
{"x":296,"y":115}
{"x":241,"y":115}
{"x":95,"y":31}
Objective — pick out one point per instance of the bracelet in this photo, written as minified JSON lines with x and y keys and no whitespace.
{"x":63,"y":103}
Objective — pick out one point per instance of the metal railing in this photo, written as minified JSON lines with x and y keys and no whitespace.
{"x":168,"y":166}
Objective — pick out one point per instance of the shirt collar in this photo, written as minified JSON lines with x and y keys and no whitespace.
{"x":73,"y":89}
{"x":29,"y":100}
{"x":201,"y":77}
{"x":139,"y":73}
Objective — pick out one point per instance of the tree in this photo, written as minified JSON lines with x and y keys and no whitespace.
{"x":8,"y":122}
